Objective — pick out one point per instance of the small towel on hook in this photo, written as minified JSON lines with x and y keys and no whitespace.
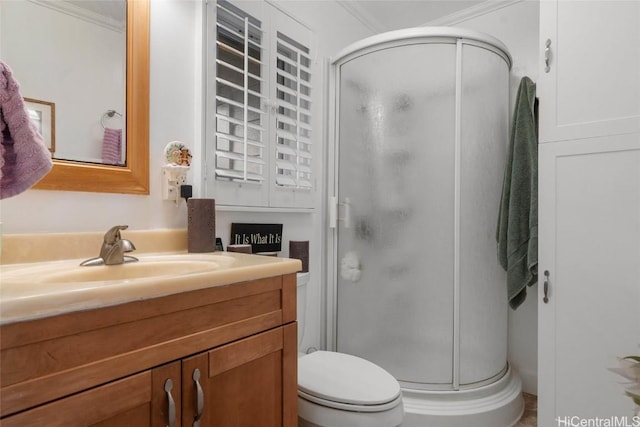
{"x":112,"y":146}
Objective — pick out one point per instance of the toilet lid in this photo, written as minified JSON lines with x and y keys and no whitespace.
{"x":344,"y":378}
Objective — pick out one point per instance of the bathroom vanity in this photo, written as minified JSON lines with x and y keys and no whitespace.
{"x":198,"y":349}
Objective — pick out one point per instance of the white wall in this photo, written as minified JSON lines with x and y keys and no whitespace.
{"x":516,"y":25}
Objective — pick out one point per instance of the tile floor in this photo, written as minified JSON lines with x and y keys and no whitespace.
{"x":530,"y":416}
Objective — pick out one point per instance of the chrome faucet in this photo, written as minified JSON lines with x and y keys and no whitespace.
{"x":113,"y":249}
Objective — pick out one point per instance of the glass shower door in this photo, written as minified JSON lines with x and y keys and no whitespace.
{"x":396,"y":170}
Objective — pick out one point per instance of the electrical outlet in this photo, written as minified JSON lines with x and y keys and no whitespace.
{"x":173,"y":177}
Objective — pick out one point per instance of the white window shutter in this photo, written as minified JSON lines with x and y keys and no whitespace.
{"x":293,"y":168}
{"x":258,"y":148}
{"x":240,"y":133}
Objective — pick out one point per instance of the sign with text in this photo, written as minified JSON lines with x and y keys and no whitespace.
{"x":261,"y":237}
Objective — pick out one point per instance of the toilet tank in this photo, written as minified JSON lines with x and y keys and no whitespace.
{"x":303,"y":280}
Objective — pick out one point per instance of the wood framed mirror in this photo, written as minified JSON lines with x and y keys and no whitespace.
{"x":133,"y":177}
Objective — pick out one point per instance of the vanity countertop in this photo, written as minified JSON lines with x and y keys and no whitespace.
{"x":40,"y":289}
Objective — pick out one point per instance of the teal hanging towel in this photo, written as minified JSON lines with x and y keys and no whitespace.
{"x":517,"y":233}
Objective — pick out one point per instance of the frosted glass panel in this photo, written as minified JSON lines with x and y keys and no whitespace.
{"x":396,"y":165}
{"x":484,"y":137}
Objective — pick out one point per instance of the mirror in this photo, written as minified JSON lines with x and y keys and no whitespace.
{"x":82,"y":45}
{"x":132,"y":175}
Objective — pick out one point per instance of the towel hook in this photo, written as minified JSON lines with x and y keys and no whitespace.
{"x":109,"y":114}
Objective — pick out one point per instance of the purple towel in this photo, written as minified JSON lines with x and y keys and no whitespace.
{"x":112,"y":146}
{"x":24,"y":159}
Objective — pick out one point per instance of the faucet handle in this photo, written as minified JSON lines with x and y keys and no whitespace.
{"x":113,"y":234}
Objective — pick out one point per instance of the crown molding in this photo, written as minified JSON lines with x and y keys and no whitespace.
{"x":463,"y":15}
{"x":84,"y":14}
{"x":374,"y":25}
{"x":362,"y":15}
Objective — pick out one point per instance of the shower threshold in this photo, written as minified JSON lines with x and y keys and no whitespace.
{"x":499,"y":404}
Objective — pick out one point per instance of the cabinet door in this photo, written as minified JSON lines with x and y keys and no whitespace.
{"x":247,"y":383}
{"x":135,"y":401}
{"x":123,"y":403}
{"x":590,"y":246}
{"x":592,"y":86}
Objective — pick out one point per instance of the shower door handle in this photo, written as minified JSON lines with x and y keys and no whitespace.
{"x":347,"y":213}
{"x":333,"y":212}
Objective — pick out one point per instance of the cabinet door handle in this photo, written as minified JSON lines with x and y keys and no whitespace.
{"x":199,"y":398}
{"x":171,"y":404}
{"x":546,"y":287}
{"x":547,"y":55}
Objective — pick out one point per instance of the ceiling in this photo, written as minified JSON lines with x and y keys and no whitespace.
{"x":387,"y":15}
{"x":377,"y":15}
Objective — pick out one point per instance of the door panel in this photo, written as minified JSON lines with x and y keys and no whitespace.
{"x":590,"y":246}
{"x":241,"y":383}
{"x":396,"y":166}
{"x":592,"y":86}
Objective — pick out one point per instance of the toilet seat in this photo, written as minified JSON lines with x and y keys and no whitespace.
{"x":346,"y":382}
{"x":348,"y":406}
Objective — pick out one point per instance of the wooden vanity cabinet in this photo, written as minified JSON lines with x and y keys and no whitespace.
{"x":241,"y":339}
{"x":242,"y":383}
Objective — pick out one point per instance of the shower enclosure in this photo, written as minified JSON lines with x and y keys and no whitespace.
{"x":420,"y":139}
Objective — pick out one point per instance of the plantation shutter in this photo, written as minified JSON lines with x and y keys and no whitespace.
{"x":258,"y":107}
{"x":240,"y":130}
{"x":293,"y":114}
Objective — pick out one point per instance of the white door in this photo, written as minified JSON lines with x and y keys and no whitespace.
{"x":589,"y":238}
{"x":592,"y":84}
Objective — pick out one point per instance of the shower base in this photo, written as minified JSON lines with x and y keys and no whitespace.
{"x":499,"y":404}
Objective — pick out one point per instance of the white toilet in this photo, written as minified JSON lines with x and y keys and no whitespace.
{"x":340,"y":390}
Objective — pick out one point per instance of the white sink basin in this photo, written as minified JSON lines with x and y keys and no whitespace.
{"x":146,"y":267}
{"x":127,"y":271}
